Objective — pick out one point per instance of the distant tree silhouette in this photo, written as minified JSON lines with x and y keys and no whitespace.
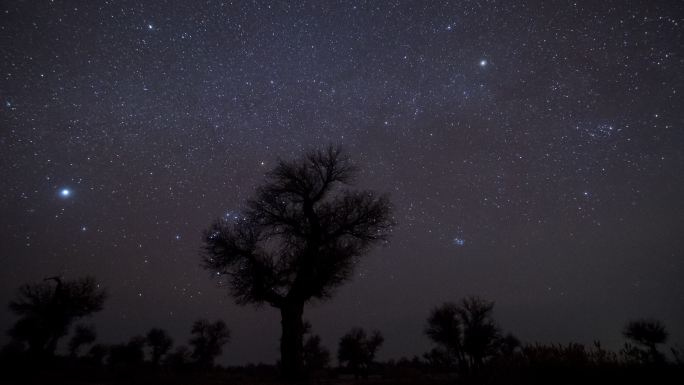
{"x":47,"y":310}
{"x":480,"y":333}
{"x":160,"y":343}
{"x":316,"y":356}
{"x":83,"y":335}
{"x":208,"y":340}
{"x":445,"y":328}
{"x":466,"y":331}
{"x":648,"y":334}
{"x":358,"y":350}
{"x":298,"y":239}
{"x":508,"y":344}
{"x":179,"y":358}
{"x":128,"y":354}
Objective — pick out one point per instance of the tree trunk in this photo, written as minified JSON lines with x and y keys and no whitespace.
{"x":291,"y":359}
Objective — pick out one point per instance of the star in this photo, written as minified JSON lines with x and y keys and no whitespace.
{"x":65,"y":193}
{"x":483,"y":63}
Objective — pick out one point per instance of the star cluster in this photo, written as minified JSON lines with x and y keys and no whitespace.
{"x":534,"y":153}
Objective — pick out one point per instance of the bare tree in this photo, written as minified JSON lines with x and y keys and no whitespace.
{"x":316,"y":356}
{"x":647,"y":333}
{"x":208,"y":340}
{"x":446,"y":329}
{"x":480,"y":333}
{"x":47,"y":310}
{"x":357,"y":350}
{"x":298,"y":239}
{"x":160,"y":342}
{"x":467,"y":332}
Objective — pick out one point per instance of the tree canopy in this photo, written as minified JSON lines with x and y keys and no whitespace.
{"x":47,"y":310}
{"x":207,"y":340}
{"x":357,"y":350}
{"x":467,"y":332}
{"x":301,"y":234}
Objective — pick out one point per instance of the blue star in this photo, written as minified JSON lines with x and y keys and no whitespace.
{"x":65,"y":193}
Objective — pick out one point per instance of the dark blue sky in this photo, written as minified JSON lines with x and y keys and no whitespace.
{"x":534,"y":152}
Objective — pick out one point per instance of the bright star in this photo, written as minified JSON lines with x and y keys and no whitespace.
{"x":65,"y":193}
{"x":483,"y":63}
{"x":149,"y":26}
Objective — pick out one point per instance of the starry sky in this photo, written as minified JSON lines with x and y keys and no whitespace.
{"x":534,"y":153}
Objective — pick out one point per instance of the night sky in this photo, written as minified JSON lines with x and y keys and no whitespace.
{"x":534,"y":153}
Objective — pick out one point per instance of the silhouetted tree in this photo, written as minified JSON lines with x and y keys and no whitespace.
{"x":179,"y":358}
{"x":467,"y":331}
{"x":358,"y":350}
{"x":298,"y":239}
{"x":131,"y":353}
{"x":480,"y":333}
{"x":48,"y":309}
{"x":445,"y":328}
{"x":648,"y":334}
{"x":208,"y":340}
{"x":83,"y":335}
{"x":509,"y":343}
{"x":316,"y":356}
{"x":160,"y":342}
